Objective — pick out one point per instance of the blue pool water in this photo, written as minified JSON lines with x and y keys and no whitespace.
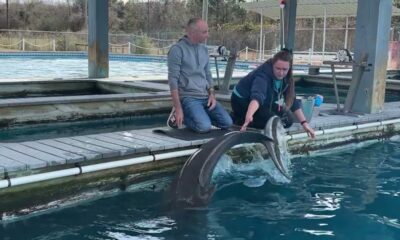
{"x":351,"y":193}
{"x":76,"y":66}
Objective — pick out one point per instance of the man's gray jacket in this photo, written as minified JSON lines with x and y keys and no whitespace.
{"x":189,"y":69}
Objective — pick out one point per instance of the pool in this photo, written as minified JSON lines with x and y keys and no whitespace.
{"x":349,"y":193}
{"x":75,"y":65}
{"x":80,"y":128}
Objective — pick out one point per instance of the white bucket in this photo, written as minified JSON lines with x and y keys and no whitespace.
{"x":307,"y":106}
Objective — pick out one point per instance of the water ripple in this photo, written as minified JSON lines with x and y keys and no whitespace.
{"x":393,"y":222}
{"x":149,"y":226}
{"x":316,"y":232}
{"x":327,"y":201}
{"x":315,"y":216}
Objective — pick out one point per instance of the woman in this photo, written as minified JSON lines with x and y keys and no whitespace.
{"x":266,"y":91}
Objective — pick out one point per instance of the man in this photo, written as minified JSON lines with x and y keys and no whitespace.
{"x":191,"y":82}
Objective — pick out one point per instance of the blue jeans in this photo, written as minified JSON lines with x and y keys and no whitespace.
{"x":199,"y":118}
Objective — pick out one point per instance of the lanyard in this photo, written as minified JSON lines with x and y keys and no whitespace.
{"x":278,"y":86}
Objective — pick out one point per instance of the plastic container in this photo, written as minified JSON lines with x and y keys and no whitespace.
{"x":307,"y":105}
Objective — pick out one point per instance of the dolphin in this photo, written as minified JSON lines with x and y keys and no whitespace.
{"x":193,"y":188}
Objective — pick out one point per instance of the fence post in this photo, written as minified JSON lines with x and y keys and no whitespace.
{"x":54,"y":45}
{"x":129,"y":47}
{"x":23,"y":44}
{"x":247,"y":52}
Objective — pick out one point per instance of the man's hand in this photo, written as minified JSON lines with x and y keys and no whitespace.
{"x":212,"y":102}
{"x":179,"y":117}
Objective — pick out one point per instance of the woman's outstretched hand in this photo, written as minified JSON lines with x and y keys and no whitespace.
{"x":247,"y":121}
{"x":309,"y":130}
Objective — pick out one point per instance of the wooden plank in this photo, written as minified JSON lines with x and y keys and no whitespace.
{"x":10,"y":165}
{"x":31,"y":162}
{"x":105,"y":152}
{"x":149,"y":145}
{"x":169,"y":141}
{"x":49,"y":158}
{"x":127,"y":148}
{"x":135,"y":147}
{"x":133,"y":134}
{"x":121,"y":150}
{"x":149,"y":132}
{"x":183,"y":142}
{"x":200,"y":141}
{"x":162,"y":142}
{"x":68,"y":156}
{"x":89,"y":155}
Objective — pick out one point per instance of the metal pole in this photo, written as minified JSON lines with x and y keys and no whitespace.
{"x":204,"y":14}
{"x":98,"y":47}
{"x":8,"y":24}
{"x":282,"y":29}
{"x":261,"y":33}
{"x":85,"y":14}
{"x":324,"y":36}
{"x":346,"y":33}
{"x":335,"y":87}
{"x":313,"y":38}
{"x":148,"y":17}
{"x":229,"y":71}
{"x":263,"y":49}
{"x":217,"y":70}
{"x":289,"y":13}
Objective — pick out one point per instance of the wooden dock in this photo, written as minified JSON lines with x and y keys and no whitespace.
{"x":23,"y":157}
{"x":30,"y":155}
{"x":46,"y":162}
{"x":344,"y":81}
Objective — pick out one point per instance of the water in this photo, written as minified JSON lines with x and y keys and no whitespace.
{"x":351,"y":193}
{"x":50,"y":67}
{"x":69,"y":129}
{"x":77,"y":67}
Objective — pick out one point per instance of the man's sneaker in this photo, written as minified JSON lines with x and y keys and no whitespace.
{"x":171,"y":122}
{"x":214,"y":127}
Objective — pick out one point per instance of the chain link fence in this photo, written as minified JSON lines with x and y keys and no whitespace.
{"x":310,"y":44}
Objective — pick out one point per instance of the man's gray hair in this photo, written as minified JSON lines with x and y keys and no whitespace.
{"x":192,"y":22}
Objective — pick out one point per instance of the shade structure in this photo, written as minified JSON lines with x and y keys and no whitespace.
{"x":309,"y":8}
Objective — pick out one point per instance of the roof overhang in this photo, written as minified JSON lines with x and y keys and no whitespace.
{"x":309,"y":8}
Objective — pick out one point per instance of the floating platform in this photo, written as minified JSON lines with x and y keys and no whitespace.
{"x":36,"y":173}
{"x":35,"y":102}
{"x":122,"y":158}
{"x":23,"y":158}
{"x":344,"y":81}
